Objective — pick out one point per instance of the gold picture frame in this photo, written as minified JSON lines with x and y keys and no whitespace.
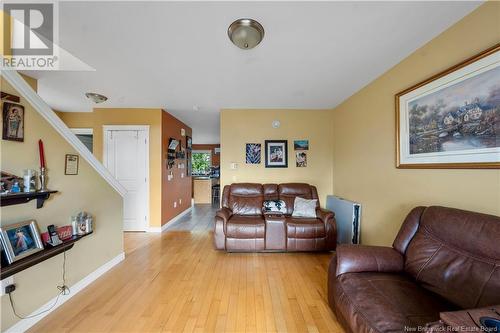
{"x":413,"y":152}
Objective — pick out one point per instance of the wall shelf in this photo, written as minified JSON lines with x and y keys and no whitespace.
{"x":36,"y":258}
{"x":21,"y":198}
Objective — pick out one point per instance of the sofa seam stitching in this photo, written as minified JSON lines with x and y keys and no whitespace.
{"x":456,"y":249}
{"x":357,"y":309}
{"x":427,"y":262}
{"x":484,"y":286}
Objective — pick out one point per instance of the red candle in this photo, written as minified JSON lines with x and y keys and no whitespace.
{"x":42,"y":154}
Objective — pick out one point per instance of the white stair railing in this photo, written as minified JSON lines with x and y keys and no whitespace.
{"x":24,"y":89}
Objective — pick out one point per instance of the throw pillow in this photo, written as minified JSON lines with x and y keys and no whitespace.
{"x":304,"y":207}
{"x":274,"y":206}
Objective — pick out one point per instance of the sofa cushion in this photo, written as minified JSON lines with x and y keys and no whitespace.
{"x":455,"y":254}
{"x":246,"y":199}
{"x":274,"y":206}
{"x":287,"y":192}
{"x":304,"y":207}
{"x":384,"y":302}
{"x":305,"y":228}
{"x":245,"y":227}
{"x":270,"y":191}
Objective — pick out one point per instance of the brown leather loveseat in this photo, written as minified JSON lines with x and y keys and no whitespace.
{"x":241,"y":225}
{"x":443,"y":259}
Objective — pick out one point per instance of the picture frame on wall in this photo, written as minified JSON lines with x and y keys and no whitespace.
{"x":276,"y":153}
{"x":13,"y":122}
{"x":301,"y":144}
{"x":253,"y":153}
{"x":20,"y":240}
{"x":452,"y":120}
{"x":71,"y":165}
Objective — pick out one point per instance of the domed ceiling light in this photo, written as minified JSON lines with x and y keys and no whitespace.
{"x":245,"y":33}
{"x":96,"y":98}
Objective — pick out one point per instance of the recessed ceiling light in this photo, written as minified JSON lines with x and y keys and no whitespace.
{"x":245,"y":33}
{"x":96,"y":98}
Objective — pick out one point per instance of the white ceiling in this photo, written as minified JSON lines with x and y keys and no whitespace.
{"x":176,"y":55}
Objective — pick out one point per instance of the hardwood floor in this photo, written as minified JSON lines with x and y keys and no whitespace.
{"x":176,"y":282}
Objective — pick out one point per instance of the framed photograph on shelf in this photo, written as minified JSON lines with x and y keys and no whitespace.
{"x":189,"y":143}
{"x":13,"y":122}
{"x":20,"y":240}
{"x":71,"y":164}
{"x":276,"y":153}
{"x":452,"y":120}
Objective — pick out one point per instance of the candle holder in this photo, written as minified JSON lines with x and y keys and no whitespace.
{"x":43,"y":180}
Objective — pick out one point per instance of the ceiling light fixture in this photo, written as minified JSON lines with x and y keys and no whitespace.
{"x":96,"y":98}
{"x":245,"y":33}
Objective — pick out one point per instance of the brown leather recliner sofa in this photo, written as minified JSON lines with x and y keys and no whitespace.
{"x":443,"y":259}
{"x":241,"y":225}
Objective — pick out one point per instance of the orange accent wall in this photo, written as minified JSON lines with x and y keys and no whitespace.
{"x":215,"y":157}
{"x":178,"y":189}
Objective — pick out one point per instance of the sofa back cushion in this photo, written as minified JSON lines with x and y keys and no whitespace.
{"x":456,"y":254}
{"x":244,"y":198}
{"x":287,"y":192}
{"x":270,"y":191}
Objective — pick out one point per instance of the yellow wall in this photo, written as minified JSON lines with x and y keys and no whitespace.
{"x":364,"y":138}
{"x":151,"y":117}
{"x":239,"y":127}
{"x":85,"y":191}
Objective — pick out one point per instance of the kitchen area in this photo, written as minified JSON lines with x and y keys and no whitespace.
{"x":206,"y":173}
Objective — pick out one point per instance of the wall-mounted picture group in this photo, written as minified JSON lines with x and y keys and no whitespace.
{"x":276,"y":153}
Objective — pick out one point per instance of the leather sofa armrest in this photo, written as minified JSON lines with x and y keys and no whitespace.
{"x":324,"y":215}
{"x":362,"y":258}
{"x":328,"y":218}
{"x":224,"y":213}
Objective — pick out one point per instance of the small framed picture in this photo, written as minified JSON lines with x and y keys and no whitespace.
{"x":300,"y":159}
{"x":13,"y":122}
{"x":276,"y":153}
{"x":20,"y":240}
{"x":189,"y":143}
{"x":253,"y":152}
{"x":301,"y":144}
{"x":71,"y":164}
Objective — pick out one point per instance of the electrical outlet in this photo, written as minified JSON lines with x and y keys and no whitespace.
{"x":180,"y":201}
{"x":6,"y":282}
{"x":175,"y":204}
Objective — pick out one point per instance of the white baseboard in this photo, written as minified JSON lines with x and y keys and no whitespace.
{"x":25,"y":324}
{"x":170,"y":223}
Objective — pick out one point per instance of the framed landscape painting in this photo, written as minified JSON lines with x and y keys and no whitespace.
{"x":452,"y":120}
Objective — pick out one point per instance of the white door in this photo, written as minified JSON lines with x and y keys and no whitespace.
{"x":126,"y":157}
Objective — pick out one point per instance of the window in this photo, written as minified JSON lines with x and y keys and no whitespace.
{"x":85,"y":135}
{"x":202,"y":162}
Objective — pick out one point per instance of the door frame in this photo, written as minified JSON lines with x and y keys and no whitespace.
{"x":82,"y":131}
{"x":108,"y":128}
